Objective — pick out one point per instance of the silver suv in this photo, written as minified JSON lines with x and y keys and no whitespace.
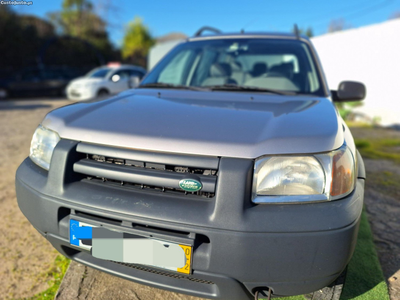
{"x":227,"y":174}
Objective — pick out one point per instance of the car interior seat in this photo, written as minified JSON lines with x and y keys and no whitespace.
{"x":220,"y":74}
{"x":259,"y":69}
{"x":283,"y":69}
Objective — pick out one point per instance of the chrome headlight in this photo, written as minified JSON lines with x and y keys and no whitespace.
{"x":43,"y":143}
{"x":306,"y":178}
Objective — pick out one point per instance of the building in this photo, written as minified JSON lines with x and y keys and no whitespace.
{"x":369,"y":54}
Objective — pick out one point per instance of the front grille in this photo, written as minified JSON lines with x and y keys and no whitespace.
{"x":147,"y":170}
{"x":149,"y":165}
{"x":163,"y":273}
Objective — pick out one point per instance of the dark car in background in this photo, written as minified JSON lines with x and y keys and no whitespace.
{"x":35,"y":81}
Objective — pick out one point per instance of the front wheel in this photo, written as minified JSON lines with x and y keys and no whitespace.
{"x":331,"y":292}
{"x":102,"y":93}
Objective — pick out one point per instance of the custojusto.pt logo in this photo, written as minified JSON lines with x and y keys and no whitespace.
{"x":16,"y":3}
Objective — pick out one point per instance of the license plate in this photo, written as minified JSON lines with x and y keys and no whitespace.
{"x":128,"y":248}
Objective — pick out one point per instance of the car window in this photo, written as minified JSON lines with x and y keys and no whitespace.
{"x":136,"y":73}
{"x":98,"y":73}
{"x":279,"y":64}
{"x":176,"y":69}
{"x":123,"y":74}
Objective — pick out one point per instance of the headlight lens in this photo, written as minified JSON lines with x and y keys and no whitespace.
{"x":297,"y":175}
{"x":293,"y":179}
{"x":43,"y":143}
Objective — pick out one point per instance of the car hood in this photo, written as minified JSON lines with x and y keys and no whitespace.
{"x":245,"y":125}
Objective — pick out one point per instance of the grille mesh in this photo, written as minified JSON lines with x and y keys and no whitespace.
{"x":141,"y":164}
{"x":171,"y":275}
{"x":131,"y":164}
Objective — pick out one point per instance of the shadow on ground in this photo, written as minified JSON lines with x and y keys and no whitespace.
{"x":23,"y":107}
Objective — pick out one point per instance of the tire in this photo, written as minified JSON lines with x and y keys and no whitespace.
{"x":102,"y":93}
{"x":331,"y":292}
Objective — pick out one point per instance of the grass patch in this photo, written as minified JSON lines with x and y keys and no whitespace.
{"x":359,"y":124}
{"x":379,"y":148}
{"x":57,"y":271}
{"x":364,"y":279}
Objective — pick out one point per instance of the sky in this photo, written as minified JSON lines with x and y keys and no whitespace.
{"x":163,"y":17}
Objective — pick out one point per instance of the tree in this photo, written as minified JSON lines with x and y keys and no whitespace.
{"x":21,"y":37}
{"x":308,"y":32}
{"x":338,"y":25}
{"x":78,"y":19}
{"x":43,"y":28}
{"x":395,"y":15}
{"x":137,"y":42}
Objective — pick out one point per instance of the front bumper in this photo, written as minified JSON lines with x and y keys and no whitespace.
{"x":80,"y":94}
{"x":238,"y":246}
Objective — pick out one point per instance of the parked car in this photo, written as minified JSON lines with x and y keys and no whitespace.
{"x":35,"y":81}
{"x":105,"y":80}
{"x":227,"y":174}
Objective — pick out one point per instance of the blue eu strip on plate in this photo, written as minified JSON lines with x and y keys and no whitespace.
{"x":76,"y":232}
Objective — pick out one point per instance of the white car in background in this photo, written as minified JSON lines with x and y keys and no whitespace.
{"x":105,"y":80}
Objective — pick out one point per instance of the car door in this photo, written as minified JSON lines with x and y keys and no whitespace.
{"x":119,"y":81}
{"x":29,"y":81}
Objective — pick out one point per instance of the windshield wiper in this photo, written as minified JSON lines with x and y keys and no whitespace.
{"x":234,"y":87}
{"x":169,"y":86}
{"x":224,"y":87}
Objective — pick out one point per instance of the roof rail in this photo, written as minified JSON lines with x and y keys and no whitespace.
{"x":206,"y":28}
{"x":296,"y":31}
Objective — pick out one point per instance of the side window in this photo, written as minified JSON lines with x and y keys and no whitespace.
{"x":123,"y":74}
{"x":176,"y":71}
{"x":136,"y":73}
{"x":203,"y":67}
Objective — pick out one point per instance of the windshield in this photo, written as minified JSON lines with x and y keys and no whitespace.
{"x":98,"y":73}
{"x":262,"y":64}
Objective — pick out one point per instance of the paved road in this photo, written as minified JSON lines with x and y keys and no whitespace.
{"x":25,"y":257}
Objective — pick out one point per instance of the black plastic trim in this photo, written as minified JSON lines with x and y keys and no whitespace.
{"x":205,"y":162}
{"x":141,"y":175}
{"x":361,"y":167}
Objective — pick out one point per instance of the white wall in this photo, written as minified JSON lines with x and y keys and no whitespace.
{"x":369,"y":54}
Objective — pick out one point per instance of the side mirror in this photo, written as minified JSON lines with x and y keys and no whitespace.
{"x":349,"y":91}
{"x":134,"y":82}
